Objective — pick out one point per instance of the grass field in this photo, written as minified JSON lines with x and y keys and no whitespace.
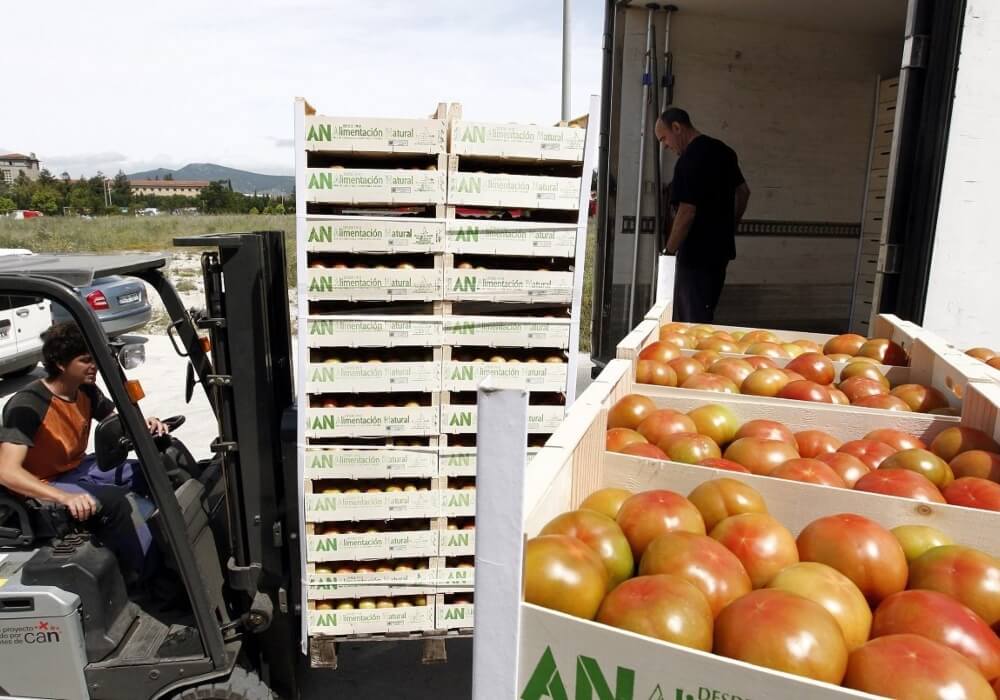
{"x":156,"y":234}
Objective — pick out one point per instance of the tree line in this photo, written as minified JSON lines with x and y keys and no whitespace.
{"x":55,"y":196}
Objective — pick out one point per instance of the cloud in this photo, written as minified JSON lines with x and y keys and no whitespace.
{"x":283,"y":143}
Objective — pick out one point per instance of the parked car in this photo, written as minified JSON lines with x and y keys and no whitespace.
{"x":22,"y":322}
{"x":120,"y":303}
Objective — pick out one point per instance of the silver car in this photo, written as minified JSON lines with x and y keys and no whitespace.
{"x":120,"y":303}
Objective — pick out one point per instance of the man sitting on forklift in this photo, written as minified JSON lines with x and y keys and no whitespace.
{"x":43,"y":442}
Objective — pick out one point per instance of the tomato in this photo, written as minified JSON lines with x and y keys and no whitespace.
{"x":710,"y":382}
{"x":923,"y":462}
{"x":607,"y":501}
{"x":864,"y":369}
{"x":835,"y":592}
{"x":707,"y":358}
{"x":848,"y":467}
{"x":767,"y":381}
{"x":760,"y":456}
{"x":653,"y":372}
{"x":766,"y":349}
{"x":762,"y":544}
{"x":981,"y":354}
{"x":689,"y":448}
{"x":719,"y":499}
{"x":733,"y":369}
{"x":681,"y":340}
{"x":917,"y":539}
{"x":601,"y":534}
{"x":809,"y":345}
{"x":979,"y":463}
{"x":969,"y":576}
{"x":897,"y":439}
{"x":716,"y":422}
{"x":871,"y":452}
{"x":761,"y":362}
{"x":805,"y":391}
{"x":792,"y":375}
{"x":663,"y":607}
{"x":994,"y":362}
{"x":686,"y":367}
{"x":675,"y":327}
{"x":973,"y":492}
{"x":617,"y":439}
{"x":718,"y":344}
{"x":814,"y":367}
{"x":885,"y":351}
{"x":792,"y":350}
{"x":664,"y":422}
{"x":727,"y":464}
{"x":702,"y":562}
{"x":838,"y":397}
{"x":660,"y":352}
{"x":768,"y":430}
{"x":785,"y":632}
{"x":860,"y":549}
{"x":643,"y":449}
{"x":883,"y":402}
{"x":900,"y":482}
{"x":812,"y":443}
{"x":630,"y":411}
{"x":952,"y":442}
{"x":808,"y":471}
{"x":857,"y":388}
{"x":916,"y":668}
{"x":562,"y":573}
{"x":845,"y":344}
{"x":839,"y":357}
{"x":759,"y":336}
{"x":647,"y":515}
{"x":944,"y":620}
{"x":920,"y":398}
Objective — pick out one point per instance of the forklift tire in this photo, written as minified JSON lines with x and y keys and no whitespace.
{"x":241,"y":685}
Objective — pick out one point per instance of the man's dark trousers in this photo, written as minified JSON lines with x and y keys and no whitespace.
{"x":697,"y":289}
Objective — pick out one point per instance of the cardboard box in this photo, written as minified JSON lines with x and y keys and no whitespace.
{"x":373,"y":546}
{"x":373,"y":377}
{"x":455,"y":579}
{"x":486,"y":237}
{"x":374,"y":621}
{"x":461,"y":461}
{"x":327,"y":586}
{"x":374,"y":331}
{"x":456,"y":543}
{"x":371,"y":463}
{"x":372,"y":135}
{"x":514,"y":332}
{"x":521,"y":191}
{"x":354,"y":507}
{"x":331,"y":234}
{"x":371,"y":422}
{"x":326,"y":284}
{"x":508,"y":285}
{"x":535,"y":376}
{"x":458,"y":503}
{"x":461,"y":419}
{"x":450,"y":616}
{"x":517,"y":141}
{"x":367,"y":186}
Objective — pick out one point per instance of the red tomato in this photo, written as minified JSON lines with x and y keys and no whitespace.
{"x":967,"y":575}
{"x":660,"y":351}
{"x":689,"y":448}
{"x":562,"y":573}
{"x":973,"y":492}
{"x":897,"y":439}
{"x":601,"y":534}
{"x":706,"y":357}
{"x":762,"y":544}
{"x":857,"y":388}
{"x":871,"y":452}
{"x":785,"y":632}
{"x":663,"y":422}
{"x":686,"y":367}
{"x":839,"y":397}
{"x":920,"y":398}
{"x":681,"y":340}
{"x":732,"y":368}
{"x":952,"y":442}
{"x":979,"y":463}
{"x":916,"y":668}
{"x":727,"y":464}
{"x":760,"y":456}
{"x":885,"y":351}
{"x":758,"y":336}
{"x":617,"y":439}
{"x":864,"y":369}
{"x":812,"y":443}
{"x":767,"y":430}
{"x":846,"y":344}
{"x":761,"y":362}
{"x":809,"y":471}
{"x":647,"y":515}
{"x":653,"y":372}
{"x":766,"y":381}
{"x":702,"y":562}
{"x":607,"y":501}
{"x":630,"y":411}
{"x":917,"y":539}
{"x":883,"y":402}
{"x":923,"y":462}
{"x":717,"y":344}
{"x":944,"y":620}
{"x":900,"y":482}
{"x":805,"y":391}
{"x":981,"y":354}
{"x":710,"y":382}
{"x":663,"y":607}
{"x":643,"y":449}
{"x":716,"y":422}
{"x":719,"y":499}
{"x":814,"y":367}
{"x":860,"y":549}
{"x":848,"y":467}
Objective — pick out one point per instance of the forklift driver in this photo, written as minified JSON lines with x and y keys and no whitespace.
{"x":43,"y":440}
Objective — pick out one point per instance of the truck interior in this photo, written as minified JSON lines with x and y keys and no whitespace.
{"x":224,"y":526}
{"x":839,"y":113}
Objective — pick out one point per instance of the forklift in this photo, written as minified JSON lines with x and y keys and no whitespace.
{"x":227,"y":527}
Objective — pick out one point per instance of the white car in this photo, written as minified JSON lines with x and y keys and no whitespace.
{"x":22,"y":322}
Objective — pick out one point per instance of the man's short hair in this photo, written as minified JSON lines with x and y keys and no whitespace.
{"x":675,"y":115}
{"x":60,"y":345}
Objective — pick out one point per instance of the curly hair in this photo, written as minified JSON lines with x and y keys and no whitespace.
{"x":60,"y":345}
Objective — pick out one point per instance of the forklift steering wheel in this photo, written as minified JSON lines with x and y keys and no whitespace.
{"x":173,"y":423}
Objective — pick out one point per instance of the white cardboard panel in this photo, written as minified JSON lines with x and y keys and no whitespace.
{"x":370,"y":463}
{"x":451,"y":616}
{"x":327,"y":284}
{"x":462,"y":419}
{"x":502,"y":190}
{"x":536,"y":376}
{"x":374,"y":546}
{"x":371,"y":422}
{"x":353,"y":507}
{"x":486,"y":237}
{"x":374,"y":135}
{"x":374,"y":331}
{"x":366,"y":186}
{"x":494,"y":331}
{"x":517,"y":141}
{"x":508,"y":285}
{"x":457,"y":543}
{"x":333,"y":234}
{"x":376,"y":621}
{"x":373,"y":377}
{"x":326,"y":586}
{"x":462,"y":461}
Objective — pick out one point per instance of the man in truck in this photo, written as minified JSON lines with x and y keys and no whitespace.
{"x":709,"y":195}
{"x":43,"y":442}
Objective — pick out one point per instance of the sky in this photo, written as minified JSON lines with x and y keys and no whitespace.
{"x":132,"y":85}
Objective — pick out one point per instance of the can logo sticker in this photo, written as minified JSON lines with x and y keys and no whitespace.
{"x":39,"y":633}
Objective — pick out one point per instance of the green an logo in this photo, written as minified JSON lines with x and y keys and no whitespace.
{"x":469,"y":183}
{"x":458,"y":500}
{"x":327,"y":544}
{"x":469,"y":235}
{"x":324,"y":374}
{"x":462,"y":419}
{"x":464,"y":284}
{"x":321,"y":181}
{"x":463,"y":329}
{"x":321,"y":284}
{"x":327,"y":620}
{"x":457,"y":541}
{"x":547,"y":684}
{"x":473,"y":134}
{"x":455,"y":614}
{"x":321,"y":234}
{"x":324,"y":132}
{"x":463,"y":374}
{"x":323,"y":423}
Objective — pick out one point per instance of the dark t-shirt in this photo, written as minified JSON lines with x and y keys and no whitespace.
{"x":707,"y":175}
{"x":55,"y":431}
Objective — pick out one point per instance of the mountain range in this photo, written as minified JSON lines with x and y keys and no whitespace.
{"x":243,"y":180}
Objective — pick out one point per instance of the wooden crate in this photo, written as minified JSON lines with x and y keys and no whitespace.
{"x":526,"y":142}
{"x":336,"y":234}
{"x":373,"y":331}
{"x":364,"y":284}
{"x":527,"y":238}
{"x":373,"y":186}
{"x":513,"y":331}
{"x":500,"y":285}
{"x":459,"y":375}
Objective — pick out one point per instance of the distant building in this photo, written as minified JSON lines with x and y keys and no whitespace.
{"x":13,"y":164}
{"x":168,"y":188}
